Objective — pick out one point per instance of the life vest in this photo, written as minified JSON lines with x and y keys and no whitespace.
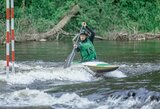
{"x":87,"y":50}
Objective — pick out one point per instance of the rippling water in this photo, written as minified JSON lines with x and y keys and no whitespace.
{"x":40,"y":82}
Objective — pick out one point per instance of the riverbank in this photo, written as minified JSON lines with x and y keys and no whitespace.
{"x":112,"y":19}
{"x":134,"y":37}
{"x":121,"y":36}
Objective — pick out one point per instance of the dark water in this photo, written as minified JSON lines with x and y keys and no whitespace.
{"x":41,"y":82}
{"x":110,"y":51}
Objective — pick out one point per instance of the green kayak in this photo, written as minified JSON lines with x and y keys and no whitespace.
{"x":100,"y":67}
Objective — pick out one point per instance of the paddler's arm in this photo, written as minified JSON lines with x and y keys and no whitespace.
{"x":91,"y":33}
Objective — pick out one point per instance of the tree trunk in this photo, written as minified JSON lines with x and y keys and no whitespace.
{"x":56,"y":29}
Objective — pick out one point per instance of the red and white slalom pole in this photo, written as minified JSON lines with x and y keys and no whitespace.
{"x":12,"y":35}
{"x":7,"y":36}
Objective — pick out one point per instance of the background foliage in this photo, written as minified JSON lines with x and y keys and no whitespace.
{"x":104,"y":16}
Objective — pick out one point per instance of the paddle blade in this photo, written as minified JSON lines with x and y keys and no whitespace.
{"x":69,"y":59}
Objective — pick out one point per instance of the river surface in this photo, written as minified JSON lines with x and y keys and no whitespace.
{"x":41,"y":82}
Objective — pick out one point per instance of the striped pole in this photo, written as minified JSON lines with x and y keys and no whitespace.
{"x":12,"y":35}
{"x":7,"y":36}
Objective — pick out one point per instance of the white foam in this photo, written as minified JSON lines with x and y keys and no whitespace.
{"x":123,"y":65}
{"x":29,"y":97}
{"x":116,"y":73}
{"x":120,"y":103}
{"x":151,"y":105}
{"x":26,"y":98}
{"x":43,"y":74}
{"x":3,"y":64}
{"x":74,"y":100}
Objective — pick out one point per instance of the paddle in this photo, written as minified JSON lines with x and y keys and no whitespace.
{"x":72,"y":54}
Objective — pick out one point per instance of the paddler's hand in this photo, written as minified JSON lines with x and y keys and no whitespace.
{"x":84,"y":24}
{"x":75,"y":45}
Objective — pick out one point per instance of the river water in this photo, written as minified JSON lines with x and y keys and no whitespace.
{"x":40,"y":82}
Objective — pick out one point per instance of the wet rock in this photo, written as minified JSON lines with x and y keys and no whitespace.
{"x":141,"y":94}
{"x":154,"y":98}
{"x":131,"y":94}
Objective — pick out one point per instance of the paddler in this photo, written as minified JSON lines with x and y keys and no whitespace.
{"x":85,"y":46}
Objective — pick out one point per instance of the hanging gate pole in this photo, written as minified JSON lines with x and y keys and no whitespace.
{"x":12,"y":35}
{"x":7,"y":36}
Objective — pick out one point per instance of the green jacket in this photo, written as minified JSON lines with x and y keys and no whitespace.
{"x":87,"y":50}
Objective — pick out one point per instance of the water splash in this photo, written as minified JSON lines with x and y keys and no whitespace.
{"x":133,"y":99}
{"x":26,"y":98}
{"x":73,"y":101}
{"x":116,"y":73}
{"x":138,"y":68}
{"x":28,"y":74}
{"x":29,"y":97}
